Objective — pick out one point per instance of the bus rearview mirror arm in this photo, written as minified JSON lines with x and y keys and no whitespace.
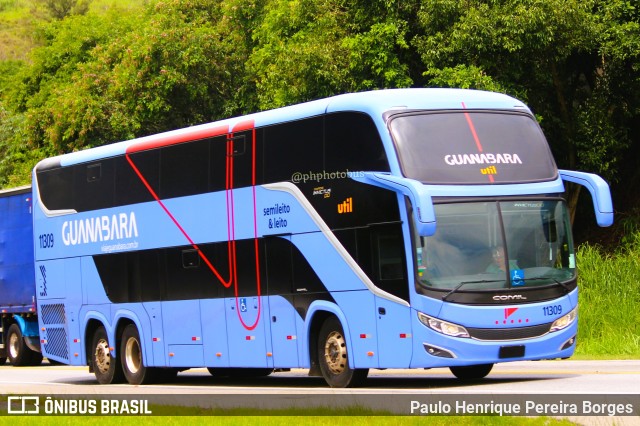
{"x":425,"y":217}
{"x":600,"y":194}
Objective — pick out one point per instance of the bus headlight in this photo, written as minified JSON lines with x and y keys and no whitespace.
{"x":565,"y":321}
{"x":444,"y":327}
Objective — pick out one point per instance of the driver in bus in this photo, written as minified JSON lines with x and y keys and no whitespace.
{"x":499,"y":263}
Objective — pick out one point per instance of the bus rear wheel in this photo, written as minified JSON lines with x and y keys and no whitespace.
{"x":132,"y":359}
{"x":334,"y":359}
{"x":106,"y":369}
{"x":471,"y":372}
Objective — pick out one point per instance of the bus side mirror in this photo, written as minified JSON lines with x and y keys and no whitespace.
{"x":600,"y":193}
{"x":425,"y":215}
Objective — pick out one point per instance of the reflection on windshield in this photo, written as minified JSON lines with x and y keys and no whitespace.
{"x":497,"y":245}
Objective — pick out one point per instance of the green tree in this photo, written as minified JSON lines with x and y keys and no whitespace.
{"x":548,"y":53}
{"x":308,"y":49}
{"x":59,"y":9}
{"x":100,"y":79}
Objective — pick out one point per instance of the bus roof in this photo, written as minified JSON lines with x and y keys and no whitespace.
{"x":375,"y":103}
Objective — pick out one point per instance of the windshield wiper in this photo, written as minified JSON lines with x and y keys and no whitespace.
{"x":456,"y":288}
{"x":560,"y":283}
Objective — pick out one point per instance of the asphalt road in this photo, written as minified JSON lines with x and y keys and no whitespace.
{"x":536,"y":377}
{"x":543,"y":381}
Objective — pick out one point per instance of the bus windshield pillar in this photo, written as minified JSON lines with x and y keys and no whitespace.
{"x":424,"y":214}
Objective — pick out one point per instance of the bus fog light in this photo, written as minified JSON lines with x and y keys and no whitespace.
{"x":436,"y":351}
{"x":568,"y":343}
{"x":444,"y":327}
{"x":565,"y":321}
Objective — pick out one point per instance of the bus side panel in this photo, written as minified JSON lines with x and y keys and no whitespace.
{"x":246,"y":332}
{"x":183,"y":333}
{"x":394,"y":334}
{"x":154,"y":312}
{"x":214,"y":333}
{"x":54,"y":313}
{"x":284,"y":332}
{"x":359,"y":307}
{"x":93,"y":289}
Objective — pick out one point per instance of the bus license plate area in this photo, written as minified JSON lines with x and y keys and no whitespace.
{"x":511,"y":352}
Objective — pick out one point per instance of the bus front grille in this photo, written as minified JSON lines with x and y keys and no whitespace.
{"x":503,"y":334}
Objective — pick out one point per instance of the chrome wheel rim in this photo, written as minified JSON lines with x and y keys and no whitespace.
{"x":103,"y":356}
{"x":133,"y":356}
{"x":335,"y":352}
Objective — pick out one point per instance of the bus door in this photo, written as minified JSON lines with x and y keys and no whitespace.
{"x":393,"y":314}
{"x":282,"y":314}
{"x":244,"y":308}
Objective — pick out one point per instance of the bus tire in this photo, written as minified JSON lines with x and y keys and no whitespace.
{"x":132,"y":359}
{"x":334,"y":359}
{"x":106,"y":368}
{"x":471,"y":372}
{"x":18,"y":351}
{"x":3,"y":360}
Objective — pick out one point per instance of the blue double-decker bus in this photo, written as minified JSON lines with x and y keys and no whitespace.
{"x":408,"y":228}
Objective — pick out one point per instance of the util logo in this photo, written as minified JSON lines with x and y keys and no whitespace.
{"x":508,"y":319}
{"x":491,"y":170}
{"x":346,"y":206}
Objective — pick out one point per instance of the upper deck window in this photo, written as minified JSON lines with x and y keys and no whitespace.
{"x":472,"y":147}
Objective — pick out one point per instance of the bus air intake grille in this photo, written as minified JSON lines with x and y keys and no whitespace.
{"x":57,"y":342}
{"x":500,"y":334}
{"x":53,"y":314}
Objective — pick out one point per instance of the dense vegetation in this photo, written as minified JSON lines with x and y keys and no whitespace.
{"x":82,"y":73}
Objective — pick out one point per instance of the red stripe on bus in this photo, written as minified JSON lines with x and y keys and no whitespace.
{"x":226,"y":284}
{"x":166,"y":140}
{"x":231,"y":243}
{"x":243,"y":126}
{"x":472,"y":128}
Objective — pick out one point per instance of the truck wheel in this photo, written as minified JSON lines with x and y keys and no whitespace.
{"x":132,"y":360}
{"x":471,"y":372}
{"x":19,"y":353}
{"x":106,"y":368}
{"x":334,"y":359}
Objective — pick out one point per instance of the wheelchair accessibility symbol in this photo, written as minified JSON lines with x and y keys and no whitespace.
{"x":243,"y":305}
{"x":517,"y":277}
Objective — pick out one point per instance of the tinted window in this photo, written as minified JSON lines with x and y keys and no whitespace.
{"x":55,"y":187}
{"x":130,"y":187}
{"x":184,"y":169}
{"x":293,"y":147}
{"x":472,"y":147}
{"x":353,"y":143}
{"x":94,"y":185}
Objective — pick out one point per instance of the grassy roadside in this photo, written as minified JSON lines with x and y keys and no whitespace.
{"x":609,"y":318}
{"x":293,"y":419}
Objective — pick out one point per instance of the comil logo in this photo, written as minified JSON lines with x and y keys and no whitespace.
{"x":346,"y":206}
{"x":23,"y":405}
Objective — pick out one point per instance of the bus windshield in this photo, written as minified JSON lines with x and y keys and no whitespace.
{"x":472,"y":147}
{"x":497,"y":245}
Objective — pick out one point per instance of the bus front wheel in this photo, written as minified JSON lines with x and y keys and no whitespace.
{"x":106,"y":369}
{"x":334,"y":359}
{"x":471,"y":372}
{"x":132,"y":360}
